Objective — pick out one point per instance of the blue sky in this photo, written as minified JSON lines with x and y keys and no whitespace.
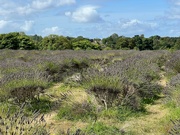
{"x":91,"y":18}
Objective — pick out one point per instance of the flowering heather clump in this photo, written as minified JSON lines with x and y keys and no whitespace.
{"x":174,"y":62}
{"x":175,"y":80}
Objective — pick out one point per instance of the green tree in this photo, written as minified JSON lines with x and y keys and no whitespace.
{"x":1,"y":40}
{"x":156,"y":42}
{"x":55,"y":42}
{"x":147,"y":44}
{"x":16,"y":40}
{"x":177,"y":44}
{"x":122,"y":43}
{"x":10,"y":40}
{"x":25,"y":43}
{"x":138,"y":40}
{"x":81,"y":44}
{"x":111,"y":41}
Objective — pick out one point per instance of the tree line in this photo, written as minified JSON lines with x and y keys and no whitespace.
{"x":19,"y":40}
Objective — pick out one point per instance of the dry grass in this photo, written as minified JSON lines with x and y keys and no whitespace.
{"x":75,"y":95}
{"x":150,"y":124}
{"x":61,"y":126}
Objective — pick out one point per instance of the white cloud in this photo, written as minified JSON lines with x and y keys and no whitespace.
{"x":3,"y":23}
{"x":130,"y":23}
{"x":10,"y":8}
{"x":25,"y":10}
{"x":85,"y":14}
{"x":43,"y":4}
{"x":67,"y":13}
{"x":52,"y":30}
{"x":66,"y":2}
{"x":176,"y":2}
{"x":122,"y":27}
{"x":27,"y":26}
{"x":174,"y":11}
{"x":137,"y":23}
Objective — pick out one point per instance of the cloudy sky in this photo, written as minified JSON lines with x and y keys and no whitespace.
{"x":91,"y":18}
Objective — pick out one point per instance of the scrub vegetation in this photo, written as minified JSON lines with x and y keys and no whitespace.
{"x":110,"y":92}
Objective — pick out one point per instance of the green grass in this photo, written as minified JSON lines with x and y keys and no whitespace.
{"x":100,"y":128}
{"x":174,"y":108}
{"x":120,"y":113}
{"x":22,"y":89}
{"x":23,"y":83}
{"x":43,"y":105}
{"x":77,"y":111}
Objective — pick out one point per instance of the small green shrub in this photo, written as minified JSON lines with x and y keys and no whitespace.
{"x":22,"y":90}
{"x":43,"y":105}
{"x":149,"y":92}
{"x":119,"y":113}
{"x":77,"y":111}
{"x":111,"y":91}
{"x":99,"y":128}
{"x":107,"y":90}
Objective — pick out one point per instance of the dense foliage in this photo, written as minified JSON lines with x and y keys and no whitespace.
{"x":18,"y":40}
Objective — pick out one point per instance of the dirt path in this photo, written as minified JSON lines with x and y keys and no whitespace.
{"x":163,"y":80}
{"x":150,"y":124}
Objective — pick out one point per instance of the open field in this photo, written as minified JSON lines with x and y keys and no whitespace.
{"x":90,"y":92}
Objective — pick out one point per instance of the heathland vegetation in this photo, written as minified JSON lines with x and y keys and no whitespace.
{"x":99,"y":89}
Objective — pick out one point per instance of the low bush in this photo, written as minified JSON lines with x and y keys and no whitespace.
{"x":111,"y":91}
{"x":174,"y":62}
{"x":77,"y":111}
{"x":23,"y":90}
{"x":43,"y":105}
